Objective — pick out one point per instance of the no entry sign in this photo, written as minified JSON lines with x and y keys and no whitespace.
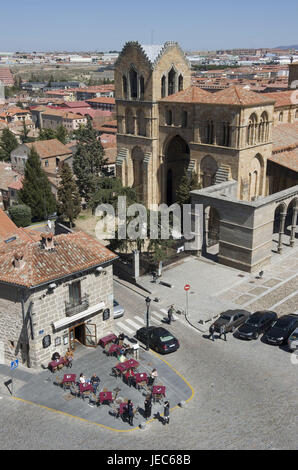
{"x":186,"y":287}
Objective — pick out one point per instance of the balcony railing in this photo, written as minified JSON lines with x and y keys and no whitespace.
{"x":72,"y":308}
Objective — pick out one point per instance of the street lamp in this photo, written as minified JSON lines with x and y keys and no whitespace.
{"x":147,"y":300}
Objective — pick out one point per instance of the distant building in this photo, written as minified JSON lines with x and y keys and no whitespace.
{"x":6,"y":76}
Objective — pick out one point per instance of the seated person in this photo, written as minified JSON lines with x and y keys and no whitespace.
{"x":120,"y":339}
{"x":82,"y":379}
{"x":121,"y":357}
{"x":95,"y":382}
{"x":130,"y":377}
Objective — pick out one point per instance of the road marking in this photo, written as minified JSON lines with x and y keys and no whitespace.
{"x":132,"y":323}
{"x":157,"y":315}
{"x":141,"y":320}
{"x":124,"y":327}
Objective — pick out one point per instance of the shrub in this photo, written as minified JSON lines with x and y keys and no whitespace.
{"x":20,"y":215}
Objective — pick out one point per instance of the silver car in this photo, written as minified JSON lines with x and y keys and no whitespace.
{"x":118,"y":310}
{"x":293,"y":340}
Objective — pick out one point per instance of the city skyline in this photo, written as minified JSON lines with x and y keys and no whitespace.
{"x":104,"y":27}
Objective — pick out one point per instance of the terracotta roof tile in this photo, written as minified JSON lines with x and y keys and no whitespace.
{"x":49,"y":148}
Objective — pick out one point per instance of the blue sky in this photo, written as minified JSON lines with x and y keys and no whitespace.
{"x":41,"y":25}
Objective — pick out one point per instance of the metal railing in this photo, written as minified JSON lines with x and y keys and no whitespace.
{"x":72,"y":308}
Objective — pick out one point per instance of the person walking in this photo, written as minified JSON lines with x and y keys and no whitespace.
{"x":94,"y":382}
{"x":166,"y":412}
{"x":222,"y":331}
{"x":130,"y":412}
{"x":170,"y":314}
{"x":211,"y":332}
{"x":148,"y":407}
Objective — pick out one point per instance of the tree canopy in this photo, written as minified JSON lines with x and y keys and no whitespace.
{"x":8,"y":143}
{"x":69,"y":199}
{"x":36,"y":191}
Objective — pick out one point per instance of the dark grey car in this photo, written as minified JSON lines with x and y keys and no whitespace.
{"x":231,"y":319}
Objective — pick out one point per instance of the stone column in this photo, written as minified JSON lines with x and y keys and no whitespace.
{"x":136,"y":264}
{"x":206,"y":231}
{"x":293,"y":228}
{"x":281,"y":231}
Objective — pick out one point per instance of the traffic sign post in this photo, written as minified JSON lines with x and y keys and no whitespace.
{"x":186,"y":288}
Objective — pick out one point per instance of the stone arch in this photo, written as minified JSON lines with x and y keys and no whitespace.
{"x":169,"y":117}
{"x":142,"y":87}
{"x":256,"y":177}
{"x":291,"y":220}
{"x":172,"y":81}
{"x":251,"y":132}
{"x":211,"y":235}
{"x":278,"y":229}
{"x":177,"y":158}
{"x":133,"y":82}
{"x":263,"y":130}
{"x":281,"y":116}
{"x":208,"y":169}
{"x":137,"y":157}
{"x":184,"y":118}
{"x":180,"y":82}
{"x":124,"y":86}
{"x":129,"y":121}
{"x":141,"y":123}
{"x":163,"y":86}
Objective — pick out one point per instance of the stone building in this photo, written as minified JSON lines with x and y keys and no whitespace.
{"x":168,"y":128}
{"x":55,"y":291}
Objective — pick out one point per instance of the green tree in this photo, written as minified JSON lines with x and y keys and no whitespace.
{"x":61,"y":134}
{"x":8,"y":143}
{"x":25,"y":134}
{"x":20,"y":214}
{"x":88,"y":160}
{"x":36,"y":192}
{"x":69,"y":199}
{"x":47,"y":134}
{"x":187,"y":184}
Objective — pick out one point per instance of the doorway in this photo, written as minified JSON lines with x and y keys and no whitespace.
{"x":84,"y":334}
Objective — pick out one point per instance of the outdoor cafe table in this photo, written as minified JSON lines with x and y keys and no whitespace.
{"x":54,"y":364}
{"x":159,"y":390}
{"x":105,"y":396}
{"x":141,"y":377}
{"x":107,"y":339}
{"x":114,"y":348}
{"x":68,"y":379}
{"x":85,"y":387}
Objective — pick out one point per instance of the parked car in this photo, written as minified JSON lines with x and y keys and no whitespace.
{"x":232,"y":319}
{"x":118,"y":310}
{"x":293,"y":340}
{"x":159,"y":339}
{"x":256,"y":324}
{"x":282,"y":329}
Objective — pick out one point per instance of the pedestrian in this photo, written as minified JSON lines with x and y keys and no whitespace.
{"x":130,"y":412}
{"x":166,"y":413}
{"x":152,"y":377}
{"x":94,"y":382}
{"x":147,"y":406}
{"x":130,"y":377}
{"x":69,"y":357}
{"x":170,"y":314}
{"x":222,"y":331}
{"x":211,"y":332}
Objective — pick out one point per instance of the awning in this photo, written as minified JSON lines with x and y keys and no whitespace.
{"x":79,"y":316}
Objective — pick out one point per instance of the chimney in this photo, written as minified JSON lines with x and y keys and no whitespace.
{"x":47,"y":240}
{"x":18,"y":261}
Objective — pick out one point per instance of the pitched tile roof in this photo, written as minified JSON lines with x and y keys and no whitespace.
{"x":285,"y":135}
{"x":72,"y":253}
{"x":7,"y":175}
{"x":233,"y":95}
{"x":49,"y":148}
{"x":284,"y":98}
{"x":288,"y":159}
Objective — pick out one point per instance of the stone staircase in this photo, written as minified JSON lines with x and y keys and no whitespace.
{"x":223,"y":174}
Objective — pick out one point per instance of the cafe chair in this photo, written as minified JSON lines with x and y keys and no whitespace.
{"x":74,"y":390}
{"x":93,"y":399}
{"x":58,"y":381}
{"x":86,"y":393}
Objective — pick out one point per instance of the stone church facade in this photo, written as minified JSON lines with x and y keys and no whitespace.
{"x":167,"y":127}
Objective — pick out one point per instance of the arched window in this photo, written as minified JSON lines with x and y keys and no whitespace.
{"x":141,"y":123}
{"x":137,"y":157}
{"x":251,"y":130}
{"x":124,"y":86}
{"x":263,"y":128}
{"x":296,"y":114}
{"x":281,"y":116}
{"x":169,"y":117}
{"x":129,"y":122}
{"x":142,"y":87}
{"x":226,"y":134}
{"x":180,"y":83}
{"x":208,"y":169}
{"x":184,"y":119}
{"x":133,"y":79}
{"x":163,"y":86}
{"x":171,"y":81}
{"x":210,"y":132}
